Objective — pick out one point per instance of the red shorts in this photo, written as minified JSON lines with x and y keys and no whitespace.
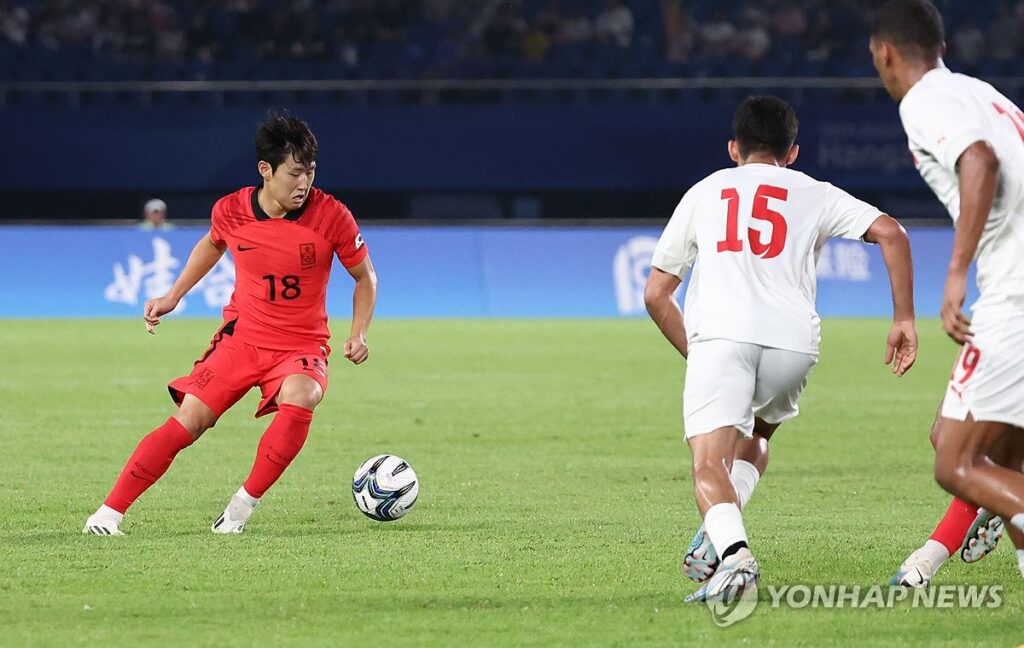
{"x":230,"y":368}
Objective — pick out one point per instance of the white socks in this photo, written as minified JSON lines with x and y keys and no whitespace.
{"x":744,"y":479}
{"x":1018,"y":521}
{"x":105,"y":511}
{"x":934,"y":552}
{"x":243,"y":495}
{"x":1020,"y":561}
{"x":724,"y":525}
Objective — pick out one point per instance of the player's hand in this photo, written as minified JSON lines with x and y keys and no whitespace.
{"x":155,"y":308}
{"x":901,"y":346}
{"x":356,"y":349}
{"x":954,"y":322}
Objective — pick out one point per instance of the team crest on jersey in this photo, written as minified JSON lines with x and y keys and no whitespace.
{"x":307,"y":255}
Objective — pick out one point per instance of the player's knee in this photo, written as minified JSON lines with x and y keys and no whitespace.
{"x":306,"y":394}
{"x":709,"y":470}
{"x":950,"y":473}
{"x":933,"y":436}
{"x":196,"y":422}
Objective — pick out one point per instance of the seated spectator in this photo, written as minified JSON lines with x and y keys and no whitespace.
{"x":753,"y":41}
{"x":679,"y":31}
{"x":577,"y":28}
{"x":503,"y":35}
{"x":789,"y":20}
{"x":969,"y":43}
{"x":154,"y":216}
{"x":14,"y":21}
{"x":1004,"y":34}
{"x":615,"y":24}
{"x":820,"y":40}
{"x":718,"y":34}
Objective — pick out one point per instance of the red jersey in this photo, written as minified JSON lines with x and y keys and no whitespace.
{"x":282,"y":266}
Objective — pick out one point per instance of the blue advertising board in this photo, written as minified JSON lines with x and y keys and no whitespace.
{"x":423,"y":272}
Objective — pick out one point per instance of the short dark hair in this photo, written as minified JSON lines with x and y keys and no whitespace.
{"x":911,"y":26}
{"x":765,"y":123}
{"x":282,"y":135}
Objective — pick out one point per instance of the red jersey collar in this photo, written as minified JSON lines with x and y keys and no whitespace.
{"x":261,"y":215}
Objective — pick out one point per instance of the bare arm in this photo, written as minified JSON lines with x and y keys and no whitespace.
{"x":204,"y":256}
{"x":901,"y":344}
{"x":663,"y":308}
{"x":978,"y":169}
{"x":364,"y":298}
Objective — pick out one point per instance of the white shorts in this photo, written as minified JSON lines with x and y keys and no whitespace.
{"x":730,"y":383}
{"x":987,"y":381}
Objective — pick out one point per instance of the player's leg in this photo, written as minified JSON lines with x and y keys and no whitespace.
{"x":749,"y":463}
{"x":923,"y":563}
{"x":964,"y":468}
{"x":294,"y":396}
{"x":148,"y":463}
{"x":218,"y":379}
{"x":986,"y":529}
{"x":720,"y":379}
{"x":780,"y":378}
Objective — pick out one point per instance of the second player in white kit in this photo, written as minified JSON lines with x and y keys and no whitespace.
{"x":967,"y":140}
{"x":750,"y":237}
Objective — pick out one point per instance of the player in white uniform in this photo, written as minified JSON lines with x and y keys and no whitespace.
{"x":752,"y":235}
{"x":967,"y":140}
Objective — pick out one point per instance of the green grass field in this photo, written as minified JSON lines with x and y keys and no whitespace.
{"x":555,"y":504}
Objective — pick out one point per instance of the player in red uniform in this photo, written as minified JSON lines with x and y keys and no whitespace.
{"x":283,"y":237}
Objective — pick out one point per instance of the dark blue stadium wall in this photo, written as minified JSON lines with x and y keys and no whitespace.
{"x":592,"y":147}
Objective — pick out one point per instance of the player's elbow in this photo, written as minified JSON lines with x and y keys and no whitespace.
{"x":979,"y":158}
{"x":886,"y":230}
{"x":655,"y":295}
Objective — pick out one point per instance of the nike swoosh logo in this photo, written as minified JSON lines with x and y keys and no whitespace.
{"x":245,"y":249}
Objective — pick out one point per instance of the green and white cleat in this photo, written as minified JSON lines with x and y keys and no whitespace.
{"x":982,"y":537}
{"x":701,"y":559}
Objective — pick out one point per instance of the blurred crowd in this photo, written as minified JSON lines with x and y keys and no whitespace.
{"x":473,"y":38}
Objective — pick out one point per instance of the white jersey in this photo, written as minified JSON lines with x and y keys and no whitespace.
{"x":753,"y":234}
{"x":945,"y":113}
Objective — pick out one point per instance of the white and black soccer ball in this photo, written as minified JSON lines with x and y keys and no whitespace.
{"x":385,"y":487}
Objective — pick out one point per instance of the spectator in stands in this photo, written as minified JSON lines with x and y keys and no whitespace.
{"x":753,"y":42}
{"x":154,"y":216}
{"x":821,"y":40}
{"x":615,"y":24}
{"x":789,"y":20}
{"x":969,"y":43}
{"x":503,"y":35}
{"x":14,"y":22}
{"x":718,"y":35}
{"x":1004,"y":34}
{"x":577,"y":27}
{"x":679,"y":31}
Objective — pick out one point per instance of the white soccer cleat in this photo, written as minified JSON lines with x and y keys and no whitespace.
{"x":701,"y":559}
{"x":982,"y":537}
{"x":734,"y":577}
{"x":234,"y":517}
{"x":916,"y":571}
{"x":104,"y":522}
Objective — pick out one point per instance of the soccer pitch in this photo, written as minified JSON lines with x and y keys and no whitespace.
{"x":555,"y":505}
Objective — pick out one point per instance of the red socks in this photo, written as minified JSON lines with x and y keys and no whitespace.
{"x":955,"y":524}
{"x":279,"y":445}
{"x":151,"y":459}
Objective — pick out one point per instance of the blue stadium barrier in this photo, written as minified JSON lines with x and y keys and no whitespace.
{"x":423,"y":271}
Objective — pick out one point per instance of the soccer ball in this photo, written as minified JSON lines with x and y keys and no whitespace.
{"x":385,"y":487}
